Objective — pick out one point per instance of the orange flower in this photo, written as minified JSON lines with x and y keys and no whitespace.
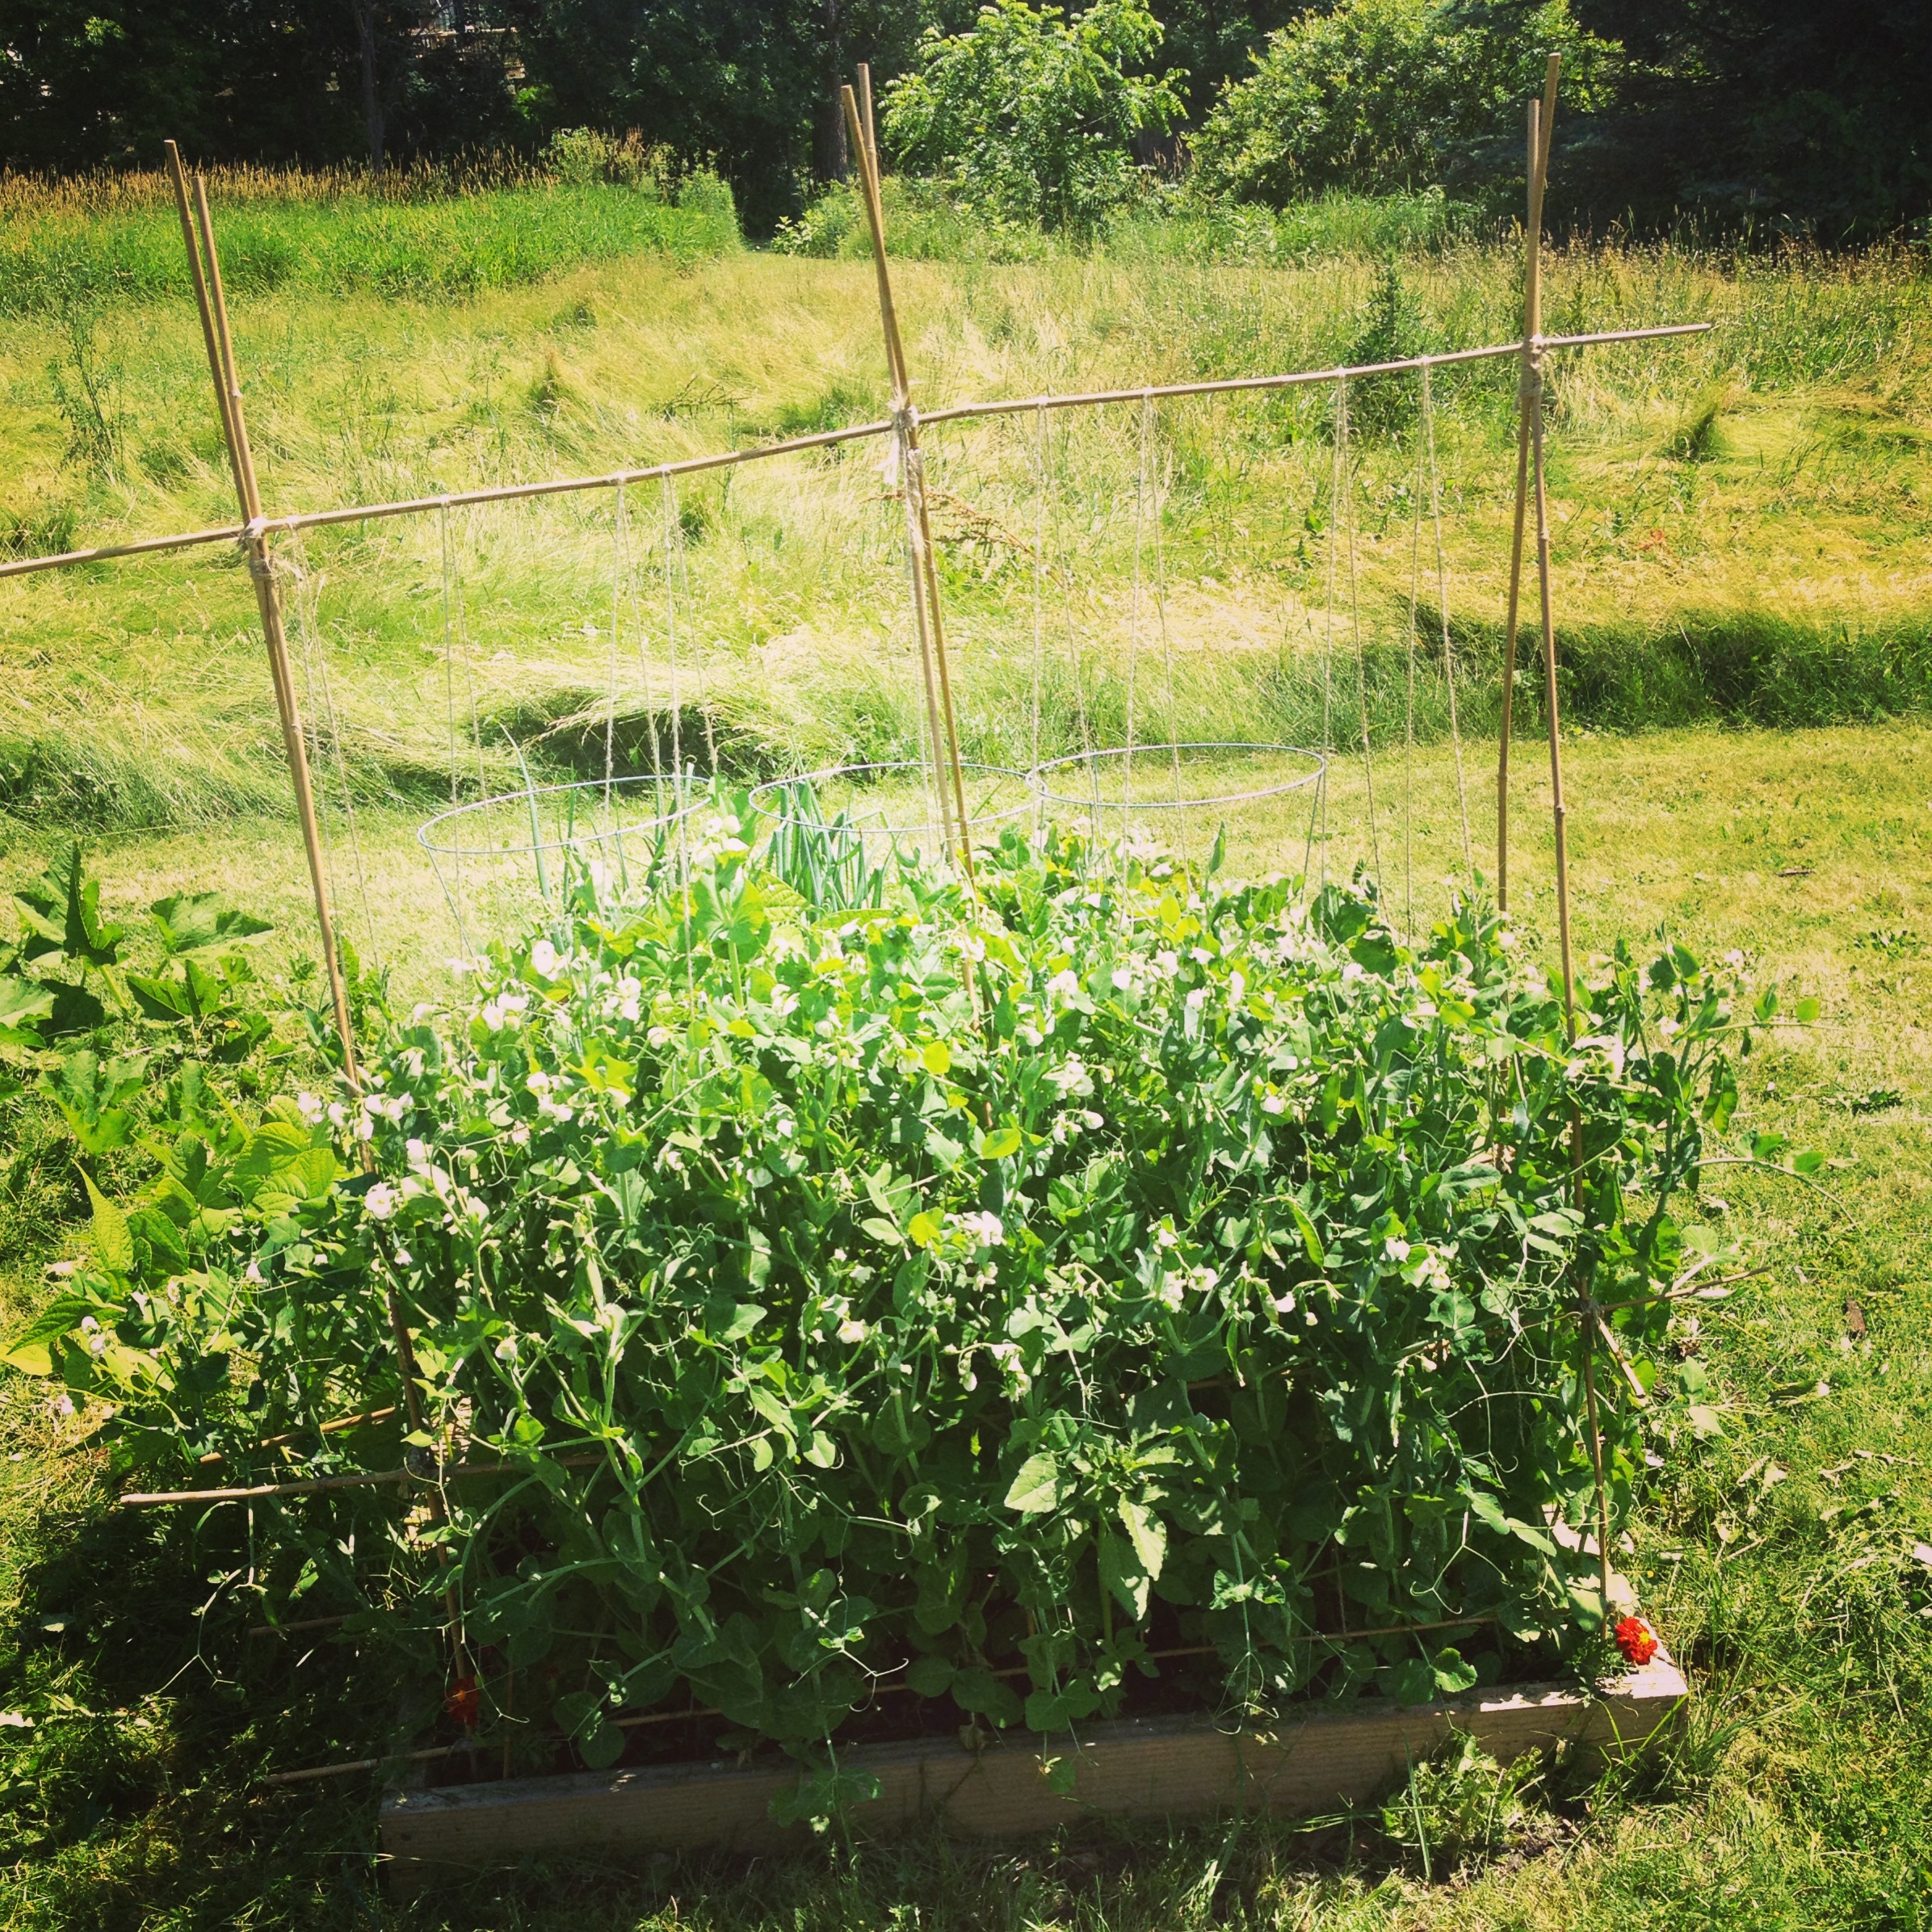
{"x":461,"y":1702}
{"x":1636,"y":1640}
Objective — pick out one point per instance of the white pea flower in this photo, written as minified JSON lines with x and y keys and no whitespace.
{"x":1173,"y":1287}
{"x":1167,"y":963}
{"x":1284,"y":1305}
{"x":1237,"y":987}
{"x":63,"y":1406}
{"x":852,"y":1329}
{"x":417,"y":1151}
{"x":1064,"y":985}
{"x":1197,"y":999}
{"x":1396,"y":1250}
{"x":986,"y":1229}
{"x":312,"y":1109}
{"x":507,"y":1349}
{"x":253,"y":1273}
{"x":381,"y":1201}
{"x":337,"y":1113}
{"x":543,"y":960}
{"x":658,"y":1036}
{"x":1274,"y":1104}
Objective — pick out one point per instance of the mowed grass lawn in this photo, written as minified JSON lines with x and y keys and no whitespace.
{"x":1784,"y":1561}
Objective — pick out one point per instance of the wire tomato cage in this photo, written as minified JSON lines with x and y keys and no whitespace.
{"x":622,"y":819}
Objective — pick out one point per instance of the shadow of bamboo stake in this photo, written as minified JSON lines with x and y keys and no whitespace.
{"x":1541,"y":117}
{"x":198,"y":233}
{"x":941,"y":721}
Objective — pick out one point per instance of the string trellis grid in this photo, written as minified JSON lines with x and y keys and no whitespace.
{"x":943,"y":764}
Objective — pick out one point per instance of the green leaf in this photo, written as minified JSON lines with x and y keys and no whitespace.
{"x":999,"y":1144}
{"x":928,"y":1676}
{"x":1036,"y":1490}
{"x":881,"y":1230}
{"x":772,"y":1409}
{"x":1123,"y":1577}
{"x":979,"y":1689}
{"x":64,"y":909}
{"x":1806,"y":1011}
{"x":1453,"y":1672}
{"x":188,"y":921}
{"x":1148,"y":1534}
{"x":924,"y":1228}
{"x":745,"y":1316}
{"x":113,"y":1242}
{"x":938,"y":1057}
{"x":29,"y":1352}
{"x":167,"y":1002}
{"x":24,"y":1002}
{"x":1311,"y":1241}
{"x":1705,"y":1420}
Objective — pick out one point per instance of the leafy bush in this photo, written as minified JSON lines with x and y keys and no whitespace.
{"x":828,"y":1275}
{"x":925,"y":221}
{"x":1378,"y":95}
{"x":1032,"y":115}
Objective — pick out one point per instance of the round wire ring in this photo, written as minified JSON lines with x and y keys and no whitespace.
{"x":528,"y":797}
{"x":1166,"y":756}
{"x":762,"y":795}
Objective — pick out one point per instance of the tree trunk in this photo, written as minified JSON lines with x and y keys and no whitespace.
{"x":829,"y":158}
{"x":364,"y":11}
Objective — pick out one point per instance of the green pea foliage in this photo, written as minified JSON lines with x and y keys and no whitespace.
{"x":973,"y":1291}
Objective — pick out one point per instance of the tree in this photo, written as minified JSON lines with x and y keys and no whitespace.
{"x":1384,"y":94}
{"x":85,"y":83}
{"x":1765,"y":114}
{"x":1032,"y":115}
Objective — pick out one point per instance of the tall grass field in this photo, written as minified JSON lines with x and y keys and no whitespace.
{"x":1744,"y":629}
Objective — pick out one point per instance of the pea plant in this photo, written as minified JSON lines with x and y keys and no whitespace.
{"x":997,"y":1299}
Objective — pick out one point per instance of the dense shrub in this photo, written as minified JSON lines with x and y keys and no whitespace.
{"x":980,"y":1291}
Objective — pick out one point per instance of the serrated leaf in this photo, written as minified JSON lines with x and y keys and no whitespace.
{"x":113,"y":1242}
{"x":1148,"y":1534}
{"x":1036,"y":1490}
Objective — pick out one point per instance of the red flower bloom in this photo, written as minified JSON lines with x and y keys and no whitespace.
{"x":462,"y":1702}
{"x":1637,"y":1640}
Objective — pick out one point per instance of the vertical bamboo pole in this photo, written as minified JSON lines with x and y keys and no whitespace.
{"x":1541,"y":117}
{"x":210,"y":301}
{"x":941,"y":722}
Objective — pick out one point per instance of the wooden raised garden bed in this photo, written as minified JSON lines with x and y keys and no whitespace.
{"x":1154,"y":1767}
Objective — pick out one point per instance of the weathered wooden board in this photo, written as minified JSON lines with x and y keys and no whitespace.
{"x":1168,"y":1767}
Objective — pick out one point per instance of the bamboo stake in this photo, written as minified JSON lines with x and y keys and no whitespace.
{"x":926,"y":590}
{"x":297,"y":1435}
{"x":219,"y":345}
{"x":356,"y":1479}
{"x":1542,"y":119}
